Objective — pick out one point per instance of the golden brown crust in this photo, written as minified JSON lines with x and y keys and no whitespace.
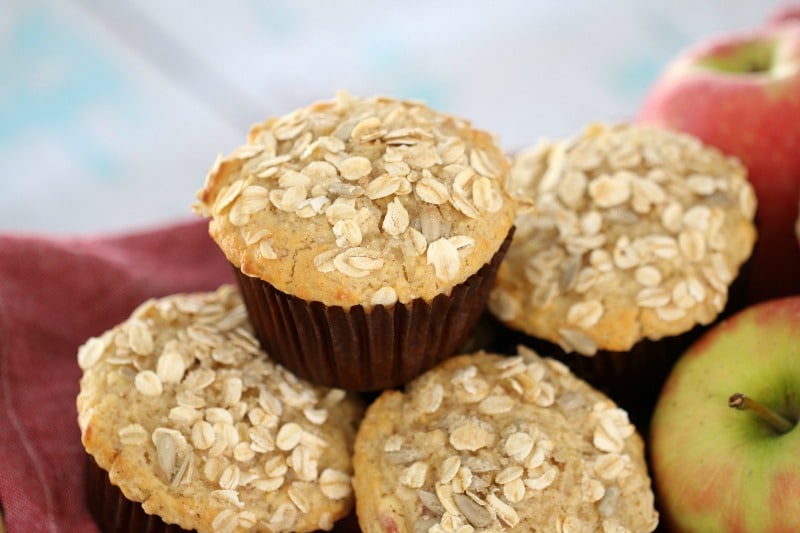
{"x":343,"y":199}
{"x":503,"y":444}
{"x":190,"y":419}
{"x":630,"y":232}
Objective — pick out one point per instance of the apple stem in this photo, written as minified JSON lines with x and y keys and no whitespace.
{"x":776,"y":421}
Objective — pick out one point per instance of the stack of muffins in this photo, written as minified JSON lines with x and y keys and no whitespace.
{"x":366,"y":236}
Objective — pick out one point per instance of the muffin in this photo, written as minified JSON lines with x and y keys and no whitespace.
{"x":189,"y":426}
{"x":365,"y":234}
{"x":630,"y":235}
{"x":494,"y":443}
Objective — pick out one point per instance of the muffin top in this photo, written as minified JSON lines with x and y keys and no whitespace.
{"x":628,"y":232}
{"x":188,"y":417}
{"x":485,"y":442}
{"x":360,"y":201}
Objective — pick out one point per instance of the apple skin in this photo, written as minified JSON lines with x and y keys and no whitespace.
{"x":754,"y":116}
{"x":783,"y":14}
{"x":720,"y":469}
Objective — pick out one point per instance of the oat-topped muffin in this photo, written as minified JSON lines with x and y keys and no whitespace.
{"x":492,"y":443}
{"x":631,"y":233}
{"x":373,"y":200}
{"x":185,"y":419}
{"x":360,"y":203}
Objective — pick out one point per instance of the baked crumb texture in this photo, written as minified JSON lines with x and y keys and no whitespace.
{"x":492,"y":443}
{"x":624,"y":232}
{"x":190,"y":418}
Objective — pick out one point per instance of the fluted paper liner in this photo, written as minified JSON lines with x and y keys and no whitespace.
{"x":633,"y":379}
{"x":364,"y":350}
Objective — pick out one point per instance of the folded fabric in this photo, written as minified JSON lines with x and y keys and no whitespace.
{"x":54,"y":294}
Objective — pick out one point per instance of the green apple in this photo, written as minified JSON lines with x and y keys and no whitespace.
{"x":718,"y":468}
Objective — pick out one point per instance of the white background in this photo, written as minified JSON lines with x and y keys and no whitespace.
{"x":111,"y":112}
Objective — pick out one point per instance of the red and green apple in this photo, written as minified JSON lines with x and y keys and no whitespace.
{"x":741,"y":93}
{"x":724,"y":437}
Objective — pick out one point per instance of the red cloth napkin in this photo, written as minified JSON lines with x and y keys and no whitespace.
{"x":54,"y":294}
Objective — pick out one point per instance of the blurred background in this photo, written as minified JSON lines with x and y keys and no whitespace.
{"x":112,"y":112}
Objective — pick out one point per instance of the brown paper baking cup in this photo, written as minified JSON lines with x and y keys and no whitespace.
{"x":113,"y":512}
{"x":363,"y":350}
{"x":633,"y":379}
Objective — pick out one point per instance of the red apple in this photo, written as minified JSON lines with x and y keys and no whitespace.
{"x":741,"y":93}
{"x":783,"y":14}
{"x":731,"y":470}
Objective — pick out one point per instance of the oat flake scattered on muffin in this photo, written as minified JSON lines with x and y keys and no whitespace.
{"x":485,"y":442}
{"x":188,"y":417}
{"x":630,"y":232}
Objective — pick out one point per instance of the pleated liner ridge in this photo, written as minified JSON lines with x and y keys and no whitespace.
{"x":362,"y":350}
